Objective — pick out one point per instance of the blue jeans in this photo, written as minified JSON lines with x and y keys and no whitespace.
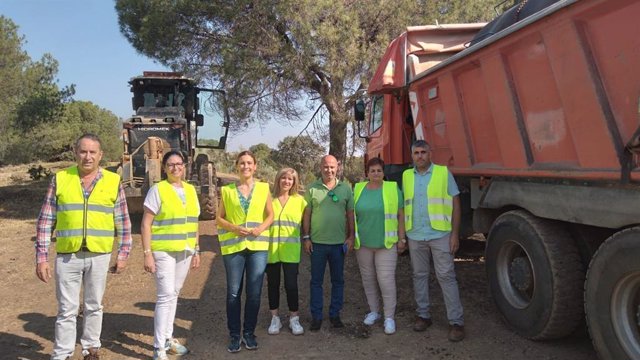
{"x":319,"y":257}
{"x":236,"y":264}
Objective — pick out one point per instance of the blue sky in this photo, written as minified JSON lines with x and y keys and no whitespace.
{"x":84,"y":37}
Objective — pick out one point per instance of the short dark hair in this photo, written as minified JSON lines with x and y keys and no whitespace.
{"x":375,"y":161}
{"x":89,"y":136}
{"x":171,"y":153}
{"x":420,"y":143}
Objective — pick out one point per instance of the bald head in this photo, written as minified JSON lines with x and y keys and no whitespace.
{"x":329,"y":168}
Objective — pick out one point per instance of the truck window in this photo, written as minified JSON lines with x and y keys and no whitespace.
{"x":377,"y":107}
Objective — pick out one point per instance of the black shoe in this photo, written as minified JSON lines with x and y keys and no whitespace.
{"x":336,"y":322}
{"x":316,"y":324}
{"x":234,"y":344}
{"x":249,"y":341}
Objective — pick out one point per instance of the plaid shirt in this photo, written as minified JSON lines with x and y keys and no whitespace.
{"x":47,"y":220}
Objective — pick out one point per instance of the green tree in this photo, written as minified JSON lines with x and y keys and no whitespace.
{"x":274,"y":55}
{"x":300,"y":153}
{"x":263,"y":153}
{"x":30,"y":95}
{"x":53,"y":141}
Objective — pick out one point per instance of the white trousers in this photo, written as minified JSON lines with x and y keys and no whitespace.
{"x":378,"y":269}
{"x":171,"y":271}
{"x":74,"y":271}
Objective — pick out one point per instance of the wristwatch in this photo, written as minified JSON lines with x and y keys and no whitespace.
{"x":403,"y":240}
{"x":306,"y":237}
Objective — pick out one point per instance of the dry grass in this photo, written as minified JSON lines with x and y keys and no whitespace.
{"x":18,"y":174}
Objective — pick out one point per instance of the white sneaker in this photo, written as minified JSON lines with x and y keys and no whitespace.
{"x":371,"y":318}
{"x":294,"y":325}
{"x":160,"y":354}
{"x":275,"y":326}
{"x":389,"y":326}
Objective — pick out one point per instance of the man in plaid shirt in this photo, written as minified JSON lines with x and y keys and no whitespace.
{"x":86,"y":206}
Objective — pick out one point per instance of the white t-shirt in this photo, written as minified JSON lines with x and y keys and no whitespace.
{"x":153,"y":203}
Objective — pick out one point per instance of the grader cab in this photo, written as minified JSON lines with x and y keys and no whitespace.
{"x":172,"y":113}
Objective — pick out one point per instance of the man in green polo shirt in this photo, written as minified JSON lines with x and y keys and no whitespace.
{"x":328,"y":230}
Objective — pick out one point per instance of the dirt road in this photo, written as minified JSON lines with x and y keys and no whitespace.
{"x":28,"y":308}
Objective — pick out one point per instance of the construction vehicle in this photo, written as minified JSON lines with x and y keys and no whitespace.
{"x":538,"y":119}
{"x":172,"y":113}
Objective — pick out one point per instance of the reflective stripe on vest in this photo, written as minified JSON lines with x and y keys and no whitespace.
{"x":79,"y":218}
{"x":439,"y":202}
{"x":390,"y":203}
{"x":284,"y":233}
{"x":230,"y":242}
{"x":175,"y":227}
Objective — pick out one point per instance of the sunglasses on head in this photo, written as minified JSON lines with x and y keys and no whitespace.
{"x":333,"y":196}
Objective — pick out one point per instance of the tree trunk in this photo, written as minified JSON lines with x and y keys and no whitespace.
{"x":338,"y":136}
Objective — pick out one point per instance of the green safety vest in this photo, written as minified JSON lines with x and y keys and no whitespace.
{"x":390,"y":203}
{"x":79,"y":218}
{"x":284,"y":234}
{"x":440,"y":203}
{"x":175,"y":227}
{"x":231,"y":242}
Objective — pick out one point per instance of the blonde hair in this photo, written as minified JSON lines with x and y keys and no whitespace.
{"x":296,"y":182}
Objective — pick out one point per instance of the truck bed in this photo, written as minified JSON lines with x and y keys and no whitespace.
{"x":553,"y":96}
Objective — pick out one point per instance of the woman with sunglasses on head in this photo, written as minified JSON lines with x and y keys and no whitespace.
{"x":245,"y":214}
{"x":170,"y":246}
{"x":379,"y":224}
{"x":284,"y":248}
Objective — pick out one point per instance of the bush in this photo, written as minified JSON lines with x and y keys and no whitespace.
{"x":39,"y":172}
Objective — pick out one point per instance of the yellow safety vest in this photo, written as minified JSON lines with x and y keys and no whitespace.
{"x":440,"y":203}
{"x":390,"y":203}
{"x":79,"y":218}
{"x":175,"y":227}
{"x":284,"y":233}
{"x":230,"y":242}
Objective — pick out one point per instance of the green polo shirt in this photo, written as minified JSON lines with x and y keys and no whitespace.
{"x":329,"y":214}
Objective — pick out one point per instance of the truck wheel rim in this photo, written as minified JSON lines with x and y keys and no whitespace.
{"x":515,"y":274}
{"x":625,"y":313}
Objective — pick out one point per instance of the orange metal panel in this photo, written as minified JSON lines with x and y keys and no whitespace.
{"x":543,"y":114}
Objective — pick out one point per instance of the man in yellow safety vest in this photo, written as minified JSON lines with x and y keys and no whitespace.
{"x":86,"y":206}
{"x":432,"y":219}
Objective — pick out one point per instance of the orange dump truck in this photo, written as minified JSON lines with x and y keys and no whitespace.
{"x":539,"y":122}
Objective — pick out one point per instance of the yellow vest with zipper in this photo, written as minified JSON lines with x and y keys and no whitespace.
{"x":90,"y":219}
{"x":231,"y":242}
{"x":440,"y":203}
{"x":390,"y":203}
{"x":175,"y":227}
{"x":284,"y":233}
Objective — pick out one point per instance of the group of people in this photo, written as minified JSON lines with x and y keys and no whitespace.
{"x":259,"y":232}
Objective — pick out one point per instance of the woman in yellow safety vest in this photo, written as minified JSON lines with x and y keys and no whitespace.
{"x":379,"y":225}
{"x":245,"y":214}
{"x":170,"y":246}
{"x":284,"y":248}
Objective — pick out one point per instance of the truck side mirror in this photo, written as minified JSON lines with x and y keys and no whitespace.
{"x":358,"y":110}
{"x":199,"y":120}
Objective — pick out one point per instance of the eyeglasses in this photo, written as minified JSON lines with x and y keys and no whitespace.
{"x":333,"y":196}
{"x":176,"y":165}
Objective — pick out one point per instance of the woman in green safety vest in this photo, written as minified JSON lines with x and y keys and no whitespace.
{"x":170,"y":246}
{"x":284,"y":248}
{"x":245,"y":214}
{"x":379,"y":238}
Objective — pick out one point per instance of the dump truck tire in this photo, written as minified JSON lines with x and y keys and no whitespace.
{"x":535,"y":275}
{"x":612,"y":297}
